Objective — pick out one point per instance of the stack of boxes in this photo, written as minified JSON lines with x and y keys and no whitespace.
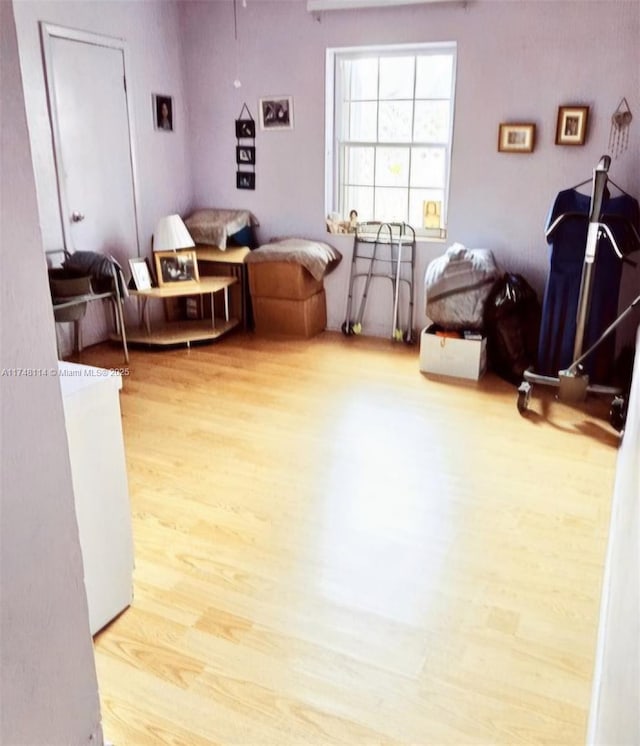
{"x":287,"y":300}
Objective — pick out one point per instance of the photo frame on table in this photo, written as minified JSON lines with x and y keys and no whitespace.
{"x":162,"y":112}
{"x":276,"y":113}
{"x":516,"y":138}
{"x":141,"y":274}
{"x":245,"y":154}
{"x":177,"y":267}
{"x":571,"y":127}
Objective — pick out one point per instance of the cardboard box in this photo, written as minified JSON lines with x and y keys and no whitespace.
{"x":299,"y":318}
{"x":447,"y":356}
{"x":284,"y":280}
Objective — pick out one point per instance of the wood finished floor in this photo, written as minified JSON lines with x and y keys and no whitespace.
{"x":332,"y":548}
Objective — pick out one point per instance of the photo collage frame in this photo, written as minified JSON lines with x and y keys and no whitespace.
{"x":245,"y":150}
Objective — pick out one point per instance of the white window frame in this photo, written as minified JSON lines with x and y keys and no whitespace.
{"x":332,"y":146}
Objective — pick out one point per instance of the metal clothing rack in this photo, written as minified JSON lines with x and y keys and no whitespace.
{"x":387,"y":251}
{"x":573,"y":383}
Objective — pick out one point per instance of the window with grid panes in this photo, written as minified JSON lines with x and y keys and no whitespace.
{"x":389,"y":134}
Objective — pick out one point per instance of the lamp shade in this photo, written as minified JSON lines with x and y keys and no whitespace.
{"x":171,"y":234}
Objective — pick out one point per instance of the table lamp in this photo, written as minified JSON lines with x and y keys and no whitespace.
{"x":171,"y":234}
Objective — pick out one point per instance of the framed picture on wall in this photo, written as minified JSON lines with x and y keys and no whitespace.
{"x":571,"y":127}
{"x":245,"y":180}
{"x":245,"y":129}
{"x":163,"y":112}
{"x":276,"y":113}
{"x":516,"y":138}
{"x":245,"y":154}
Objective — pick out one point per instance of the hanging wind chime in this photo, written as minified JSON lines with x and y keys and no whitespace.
{"x":245,"y":128}
{"x":236,"y":83}
{"x":620,"y":123}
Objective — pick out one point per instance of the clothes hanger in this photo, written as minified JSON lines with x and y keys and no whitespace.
{"x":560,"y":219}
{"x":619,"y":188}
{"x":605,"y":228}
{"x":609,"y":181}
{"x":600,"y":171}
{"x":581,"y":183}
{"x":603,"y":165}
{"x":620,"y":219}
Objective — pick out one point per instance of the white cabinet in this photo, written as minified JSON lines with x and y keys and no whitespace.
{"x":615,"y":717}
{"x":96,"y":448}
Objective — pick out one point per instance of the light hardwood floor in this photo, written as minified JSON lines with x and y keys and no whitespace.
{"x":332,"y":548}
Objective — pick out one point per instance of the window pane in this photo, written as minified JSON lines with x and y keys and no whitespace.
{"x":392,"y":167}
{"x":358,"y":165}
{"x":391,"y":205}
{"x":433,"y":76}
{"x":427,"y":167}
{"x":417,"y":199}
{"x":396,"y":77}
{"x":362,"y":122}
{"x":391,"y":137}
{"x":395,"y":121}
{"x":364,"y":79}
{"x":359,"y":199}
{"x":431,"y":121}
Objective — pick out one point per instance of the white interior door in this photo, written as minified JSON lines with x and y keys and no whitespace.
{"x":90,"y":120}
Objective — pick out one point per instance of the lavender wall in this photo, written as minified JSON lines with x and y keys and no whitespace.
{"x":516,"y":61}
{"x":155,"y":66}
{"x":49,"y":692}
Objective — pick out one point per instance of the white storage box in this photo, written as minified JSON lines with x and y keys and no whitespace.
{"x":447,"y":356}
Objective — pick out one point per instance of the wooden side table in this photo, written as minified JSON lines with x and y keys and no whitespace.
{"x":233,"y":259}
{"x":183,"y":332}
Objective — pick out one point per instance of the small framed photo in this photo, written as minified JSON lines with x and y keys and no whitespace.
{"x":571,"y":128}
{"x":141,"y":274}
{"x":245,"y":128}
{"x":245,"y":154}
{"x":163,"y":112}
{"x":276,"y":113}
{"x":177,"y":266}
{"x":245,"y":180}
{"x":516,"y":138}
{"x":431,"y":212}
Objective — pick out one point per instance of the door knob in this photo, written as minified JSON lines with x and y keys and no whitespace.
{"x":76,"y":217}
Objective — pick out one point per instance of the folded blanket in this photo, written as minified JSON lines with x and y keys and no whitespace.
{"x":317,"y":257}
{"x":104,"y":270}
{"x":213,"y":226}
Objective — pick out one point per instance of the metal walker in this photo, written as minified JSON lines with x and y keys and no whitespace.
{"x":388,"y":251}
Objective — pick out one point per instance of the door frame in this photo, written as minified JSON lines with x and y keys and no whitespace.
{"x":48,"y":32}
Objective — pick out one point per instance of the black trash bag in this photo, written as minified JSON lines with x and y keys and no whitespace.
{"x":512,"y":315}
